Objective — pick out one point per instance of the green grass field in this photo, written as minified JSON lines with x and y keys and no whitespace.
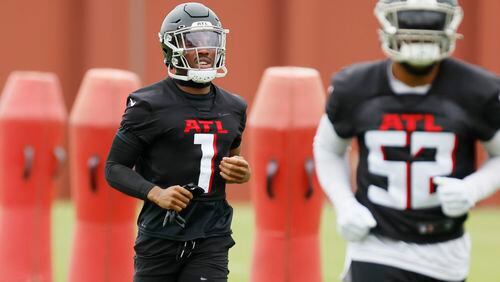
{"x":483,"y":224}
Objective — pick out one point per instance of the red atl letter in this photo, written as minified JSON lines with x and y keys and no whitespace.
{"x":191,"y":124}
{"x":429,"y":124}
{"x":206,"y":125}
{"x":218,"y":123}
{"x":411,"y":121}
{"x":391,"y":121}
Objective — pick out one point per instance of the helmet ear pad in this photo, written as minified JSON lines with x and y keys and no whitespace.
{"x":168,"y":51}
{"x":167,"y":54}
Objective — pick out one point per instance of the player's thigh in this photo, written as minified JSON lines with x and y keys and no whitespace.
{"x":373,"y":272}
{"x":156,"y":270}
{"x":155,"y":260}
{"x":213,"y":268}
{"x":209,"y":261}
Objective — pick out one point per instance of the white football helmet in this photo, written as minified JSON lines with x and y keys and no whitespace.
{"x":418,"y":32}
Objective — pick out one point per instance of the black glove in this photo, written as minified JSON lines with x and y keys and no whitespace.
{"x":174,"y":217}
{"x":194,"y":189}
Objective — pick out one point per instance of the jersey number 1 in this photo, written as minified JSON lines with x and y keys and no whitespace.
{"x":208,"y":155}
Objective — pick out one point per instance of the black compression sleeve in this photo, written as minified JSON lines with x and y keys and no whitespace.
{"x":123,"y":154}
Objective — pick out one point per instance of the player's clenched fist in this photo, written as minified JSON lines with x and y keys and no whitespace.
{"x":354,"y":221}
{"x":173,"y":198}
{"x":456,"y":197}
{"x":235,"y":169}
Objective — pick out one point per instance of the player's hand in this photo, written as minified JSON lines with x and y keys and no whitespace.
{"x":354,"y":221}
{"x":456,"y":197}
{"x":235,"y":169}
{"x":173,"y":198}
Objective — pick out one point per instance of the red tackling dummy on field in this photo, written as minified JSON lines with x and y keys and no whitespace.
{"x":32,"y":122}
{"x":286,"y":197}
{"x":105,"y":218}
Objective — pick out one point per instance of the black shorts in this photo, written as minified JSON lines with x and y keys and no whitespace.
{"x":165,"y":260}
{"x":373,"y":272}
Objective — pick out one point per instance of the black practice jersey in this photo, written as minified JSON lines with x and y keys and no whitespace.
{"x":406,"y":140}
{"x":183,"y":139}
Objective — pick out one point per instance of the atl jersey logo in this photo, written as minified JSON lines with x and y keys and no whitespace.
{"x":204,"y":126}
{"x":409,"y":122}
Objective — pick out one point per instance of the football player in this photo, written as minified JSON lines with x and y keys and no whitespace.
{"x":180,"y":133}
{"x":417,"y":117}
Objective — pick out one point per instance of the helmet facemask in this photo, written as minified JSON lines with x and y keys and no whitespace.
{"x":418,"y":33}
{"x":197,"y":52}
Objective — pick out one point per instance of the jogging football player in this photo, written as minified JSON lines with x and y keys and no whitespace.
{"x":416,"y":117}
{"x":182,"y":131}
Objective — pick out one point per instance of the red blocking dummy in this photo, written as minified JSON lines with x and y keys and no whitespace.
{"x":105,"y":229}
{"x":285,"y":194}
{"x":32,"y":122}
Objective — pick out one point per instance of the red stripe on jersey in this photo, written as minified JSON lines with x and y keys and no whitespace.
{"x":419,"y":152}
{"x":408,"y":185}
{"x":212,"y":164}
{"x":432,"y":188}
{"x":454,"y":155}
{"x":408,"y":173}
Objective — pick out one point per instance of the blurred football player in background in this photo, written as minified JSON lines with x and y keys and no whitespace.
{"x":417,"y":117}
{"x":183,"y":135}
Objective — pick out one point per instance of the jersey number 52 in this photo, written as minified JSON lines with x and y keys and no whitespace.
{"x":409,"y":182}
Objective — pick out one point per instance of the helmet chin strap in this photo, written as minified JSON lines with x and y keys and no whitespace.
{"x":202,"y":76}
{"x":419,"y":58}
{"x":193,"y":78}
{"x":419,"y":55}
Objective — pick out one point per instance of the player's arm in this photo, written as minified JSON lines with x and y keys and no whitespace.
{"x":487,"y":177}
{"x":354,"y":221}
{"x":123,"y":154}
{"x":138,"y":128}
{"x":119,"y":173}
{"x":457,"y":196}
{"x":235,"y":169}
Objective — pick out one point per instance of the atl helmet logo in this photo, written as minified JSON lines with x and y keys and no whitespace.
{"x":201,"y":24}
